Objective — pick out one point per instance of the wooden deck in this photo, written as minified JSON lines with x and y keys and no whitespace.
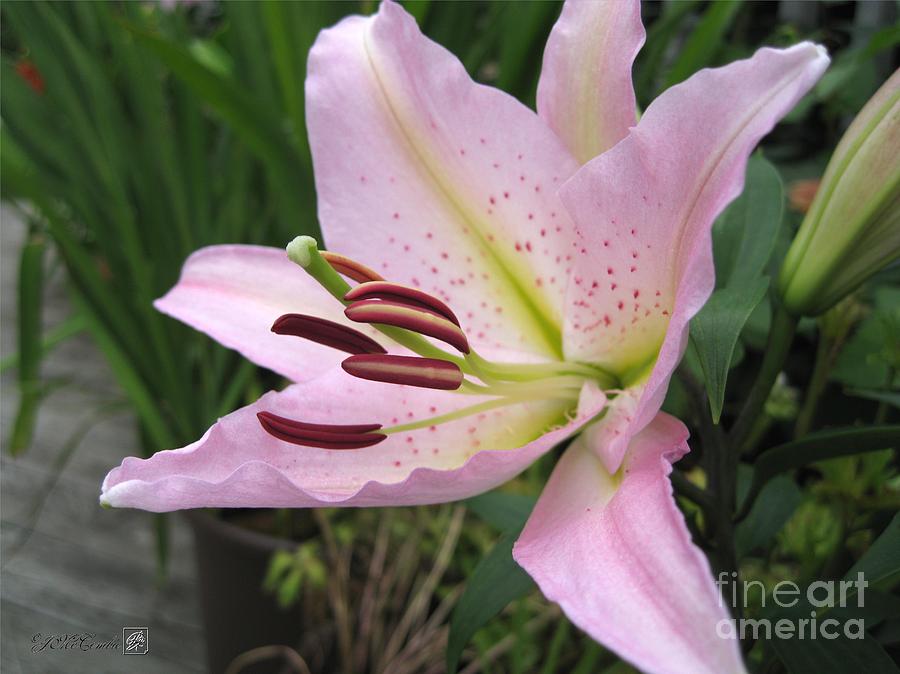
{"x":69,"y":566}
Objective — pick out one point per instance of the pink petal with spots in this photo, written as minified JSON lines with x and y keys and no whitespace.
{"x":235,"y":293}
{"x":438,"y":182}
{"x":615,"y":553}
{"x":238,"y":464}
{"x":645,"y":210}
{"x":585,"y":91}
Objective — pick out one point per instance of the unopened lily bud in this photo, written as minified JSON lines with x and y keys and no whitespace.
{"x":852,"y":229}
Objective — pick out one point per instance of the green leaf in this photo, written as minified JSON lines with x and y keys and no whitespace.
{"x":868,"y":357}
{"x":841,"y":651}
{"x":659,"y":36}
{"x":163,"y":535}
{"x":743,"y":240}
{"x":71,"y":326}
{"x":523,"y":26}
{"x":506,"y":512}
{"x":705,"y":41}
{"x":744,"y":236}
{"x":31,"y":292}
{"x":778,"y":501}
{"x":833,"y":656}
{"x":890,"y":397}
{"x":819,"y":446}
{"x":881,"y":562}
{"x":257,"y":125}
{"x":496,"y":581}
{"x":715,"y":331}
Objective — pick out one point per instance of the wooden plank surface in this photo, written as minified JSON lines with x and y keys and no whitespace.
{"x":68,"y":566}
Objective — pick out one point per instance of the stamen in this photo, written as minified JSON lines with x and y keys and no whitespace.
{"x":403,"y":316}
{"x":401,"y":294}
{"x":350,"y":268}
{"x":326,"y":436}
{"x":326,"y":332}
{"x":303,"y":251}
{"x":408,"y":370}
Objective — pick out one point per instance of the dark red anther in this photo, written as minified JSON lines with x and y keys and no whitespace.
{"x":408,"y":370}
{"x":350,"y":268}
{"x":418,"y":320}
{"x":326,"y":436}
{"x":401,"y":294}
{"x":327,"y":333}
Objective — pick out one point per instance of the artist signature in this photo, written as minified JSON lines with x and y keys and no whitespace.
{"x":79,"y":641}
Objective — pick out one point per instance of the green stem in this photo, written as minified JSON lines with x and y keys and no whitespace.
{"x":780,"y":337}
{"x":816,"y":388}
{"x":719,"y":499}
{"x":684,"y":487}
{"x":883,"y":407}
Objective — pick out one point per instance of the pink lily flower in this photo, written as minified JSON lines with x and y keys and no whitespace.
{"x":528,"y":301}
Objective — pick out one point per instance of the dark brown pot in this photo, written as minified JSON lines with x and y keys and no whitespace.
{"x":237,"y":614}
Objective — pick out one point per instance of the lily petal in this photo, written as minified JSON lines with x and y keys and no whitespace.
{"x":615,"y":553}
{"x":585,"y":92}
{"x":645,"y":211}
{"x":237,"y":464}
{"x":438,"y":182}
{"x":235,"y":293}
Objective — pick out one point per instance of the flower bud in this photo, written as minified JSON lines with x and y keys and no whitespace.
{"x":852,"y":229}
